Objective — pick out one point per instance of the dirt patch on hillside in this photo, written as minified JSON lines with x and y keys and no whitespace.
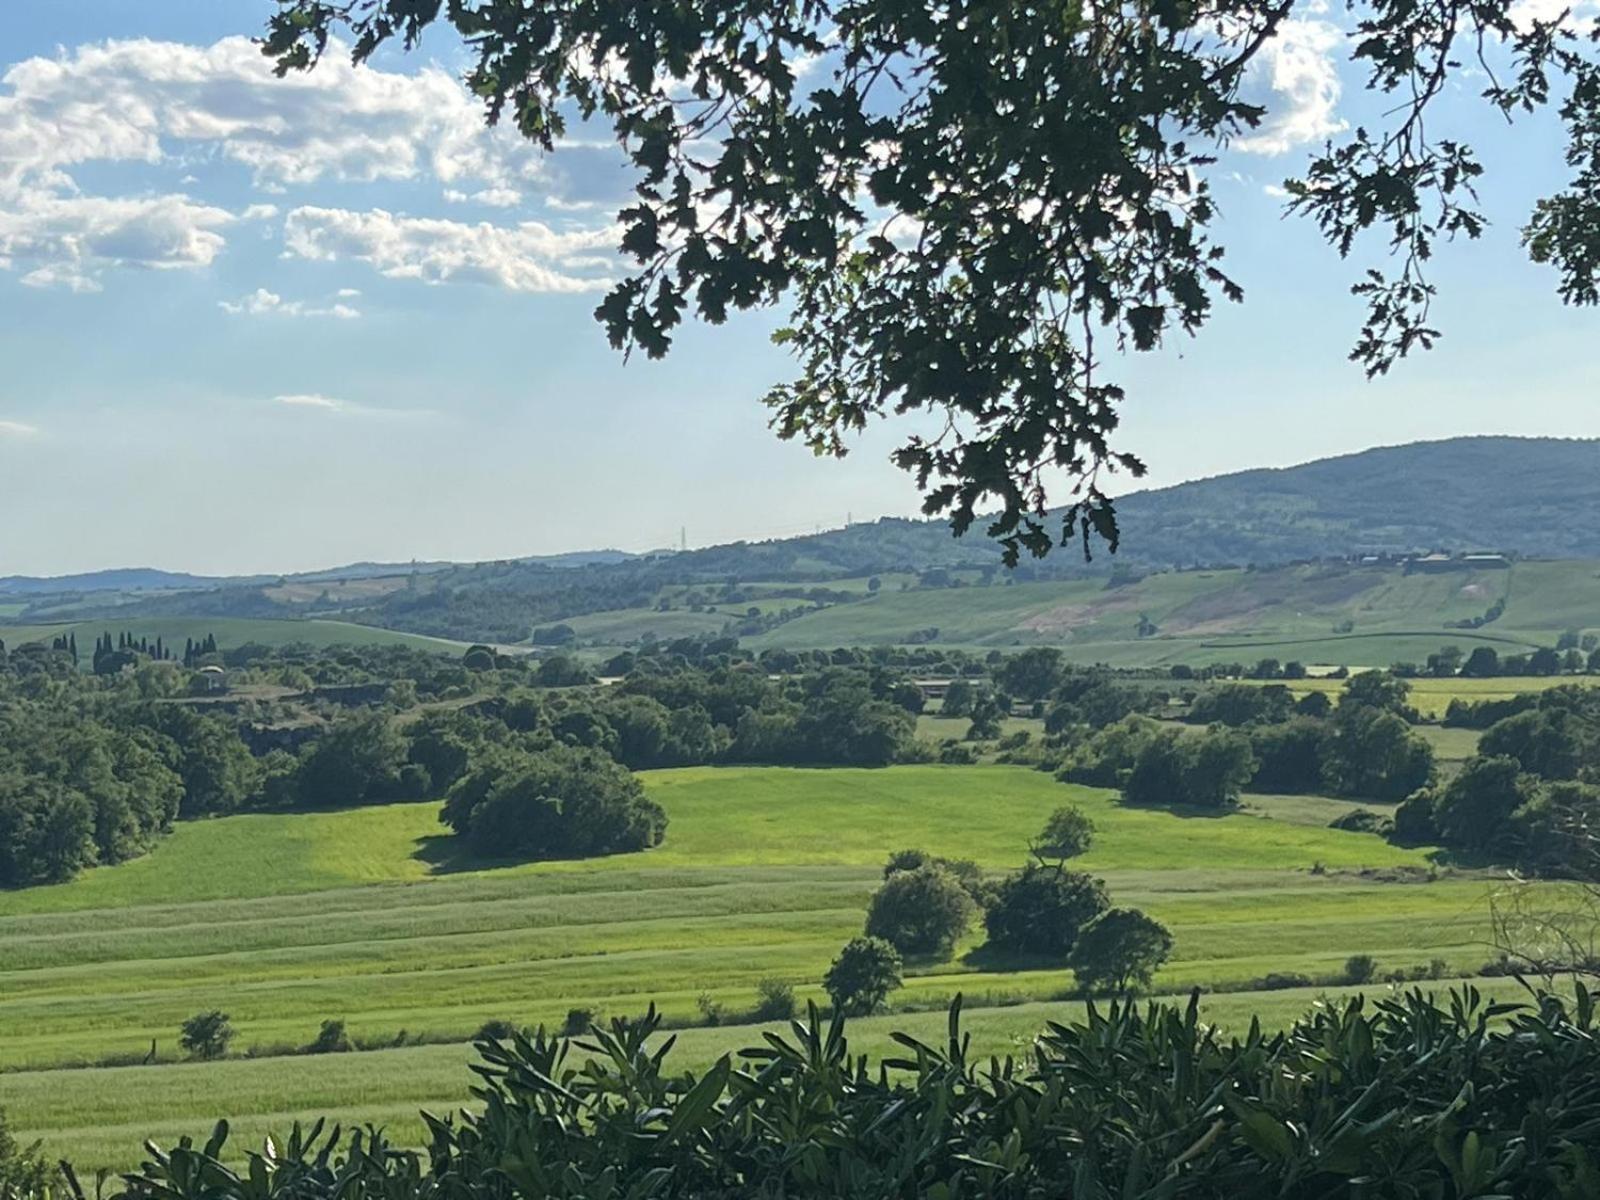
{"x":1061,"y":620}
{"x":1243,"y":607}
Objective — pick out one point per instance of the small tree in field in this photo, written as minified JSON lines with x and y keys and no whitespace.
{"x":924,"y":911}
{"x":207,"y":1034}
{"x":1067,"y":833}
{"x":1119,"y":951}
{"x":861,"y":978}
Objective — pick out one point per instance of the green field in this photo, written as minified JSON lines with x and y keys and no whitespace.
{"x":1431,"y":697}
{"x":229,"y":632}
{"x":102,"y":1117}
{"x":364,"y":915}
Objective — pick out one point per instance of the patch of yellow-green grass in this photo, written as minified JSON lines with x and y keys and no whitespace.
{"x":98,"y":1119}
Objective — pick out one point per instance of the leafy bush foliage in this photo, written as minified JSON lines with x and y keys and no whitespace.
{"x":560,"y":802}
{"x":1461,"y":1098}
{"x":207,"y":1034}
{"x":1041,"y":909}
{"x":920,"y":911}
{"x":1119,"y":951}
{"x":331,"y":1039}
{"x":861,"y":978}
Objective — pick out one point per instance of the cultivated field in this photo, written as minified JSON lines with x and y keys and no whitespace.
{"x":1328,"y":614}
{"x":365,"y":915}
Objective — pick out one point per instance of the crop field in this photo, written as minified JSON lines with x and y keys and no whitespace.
{"x":229,"y":632}
{"x":1319,"y":614}
{"x":102,"y":1117}
{"x":1431,"y":697}
{"x":367,"y":915}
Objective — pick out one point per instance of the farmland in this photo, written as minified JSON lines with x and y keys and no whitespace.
{"x":1339,"y":614}
{"x":363,"y":915}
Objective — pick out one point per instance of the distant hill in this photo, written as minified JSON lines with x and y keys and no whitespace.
{"x":1537,"y":497}
{"x":1529,"y":497}
{"x":122,"y":579}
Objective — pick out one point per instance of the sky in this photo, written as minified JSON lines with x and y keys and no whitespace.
{"x":259,"y":325}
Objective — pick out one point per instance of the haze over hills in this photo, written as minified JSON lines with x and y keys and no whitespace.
{"x":1533,"y":498}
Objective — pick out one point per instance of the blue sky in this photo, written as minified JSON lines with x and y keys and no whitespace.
{"x":248,"y":325}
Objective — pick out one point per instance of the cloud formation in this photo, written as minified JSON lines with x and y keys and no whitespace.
{"x":317,"y":402}
{"x":262,"y":303}
{"x":169,"y":105}
{"x":528,"y":257}
{"x":1297,"y":78}
{"x":17,"y":429}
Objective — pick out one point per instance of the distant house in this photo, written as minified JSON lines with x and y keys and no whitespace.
{"x":213,"y":680}
{"x":1491,"y":562}
{"x":1436,"y":563}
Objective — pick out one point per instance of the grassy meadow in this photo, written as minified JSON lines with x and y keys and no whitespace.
{"x":368,"y":916}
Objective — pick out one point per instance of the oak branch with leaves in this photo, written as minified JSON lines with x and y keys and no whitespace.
{"x":972,"y":209}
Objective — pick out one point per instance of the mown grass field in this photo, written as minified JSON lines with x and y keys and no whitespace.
{"x":229,"y":632}
{"x":102,"y":1117}
{"x":283,"y":920}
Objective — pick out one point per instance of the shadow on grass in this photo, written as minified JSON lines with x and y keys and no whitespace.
{"x":987,"y":959}
{"x":1182,"y":810}
{"x":447,"y":854}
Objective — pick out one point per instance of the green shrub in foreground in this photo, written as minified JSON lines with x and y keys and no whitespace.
{"x":1402,"y":1097}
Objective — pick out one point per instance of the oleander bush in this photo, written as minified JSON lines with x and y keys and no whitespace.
{"x":1399,"y":1097}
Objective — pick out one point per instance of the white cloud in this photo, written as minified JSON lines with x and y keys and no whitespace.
{"x":17,"y":429}
{"x":148,"y":101}
{"x":311,"y":400}
{"x":171,"y":106}
{"x":66,"y":241}
{"x":1300,"y":71}
{"x":528,"y":257}
{"x":317,"y":402}
{"x":262,"y":303}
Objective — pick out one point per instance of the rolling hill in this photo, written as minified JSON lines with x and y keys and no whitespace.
{"x":1390,"y":501}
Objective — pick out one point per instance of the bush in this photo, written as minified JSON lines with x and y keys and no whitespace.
{"x":561,"y":802}
{"x":579,"y":1021}
{"x":1040,"y":910}
{"x":495,"y":1030}
{"x":1067,"y":833}
{"x":1360,"y":968}
{"x":207,"y":1034}
{"x":1429,"y":1100}
{"x":1277,"y":981}
{"x":1118,"y":951}
{"x":24,"y":1172}
{"x":1361,"y":820}
{"x":330,"y":1039}
{"x":922,"y":911}
{"x":861,"y":978}
{"x":774,"y":1000}
{"x":712,"y":1010}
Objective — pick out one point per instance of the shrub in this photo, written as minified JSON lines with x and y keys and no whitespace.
{"x":494,"y":1030}
{"x":1039,"y":910}
{"x":1067,"y":833}
{"x":924,"y":911}
{"x":1388,"y":1090}
{"x":1360,"y":968}
{"x":1118,"y":951}
{"x":330,"y":1039}
{"x":1277,"y":981}
{"x":1361,"y":820}
{"x":561,"y":802}
{"x":24,"y":1172}
{"x":579,"y":1021}
{"x":774,"y":1000}
{"x":712,"y":1010}
{"x":861,"y":978}
{"x":207,"y":1034}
